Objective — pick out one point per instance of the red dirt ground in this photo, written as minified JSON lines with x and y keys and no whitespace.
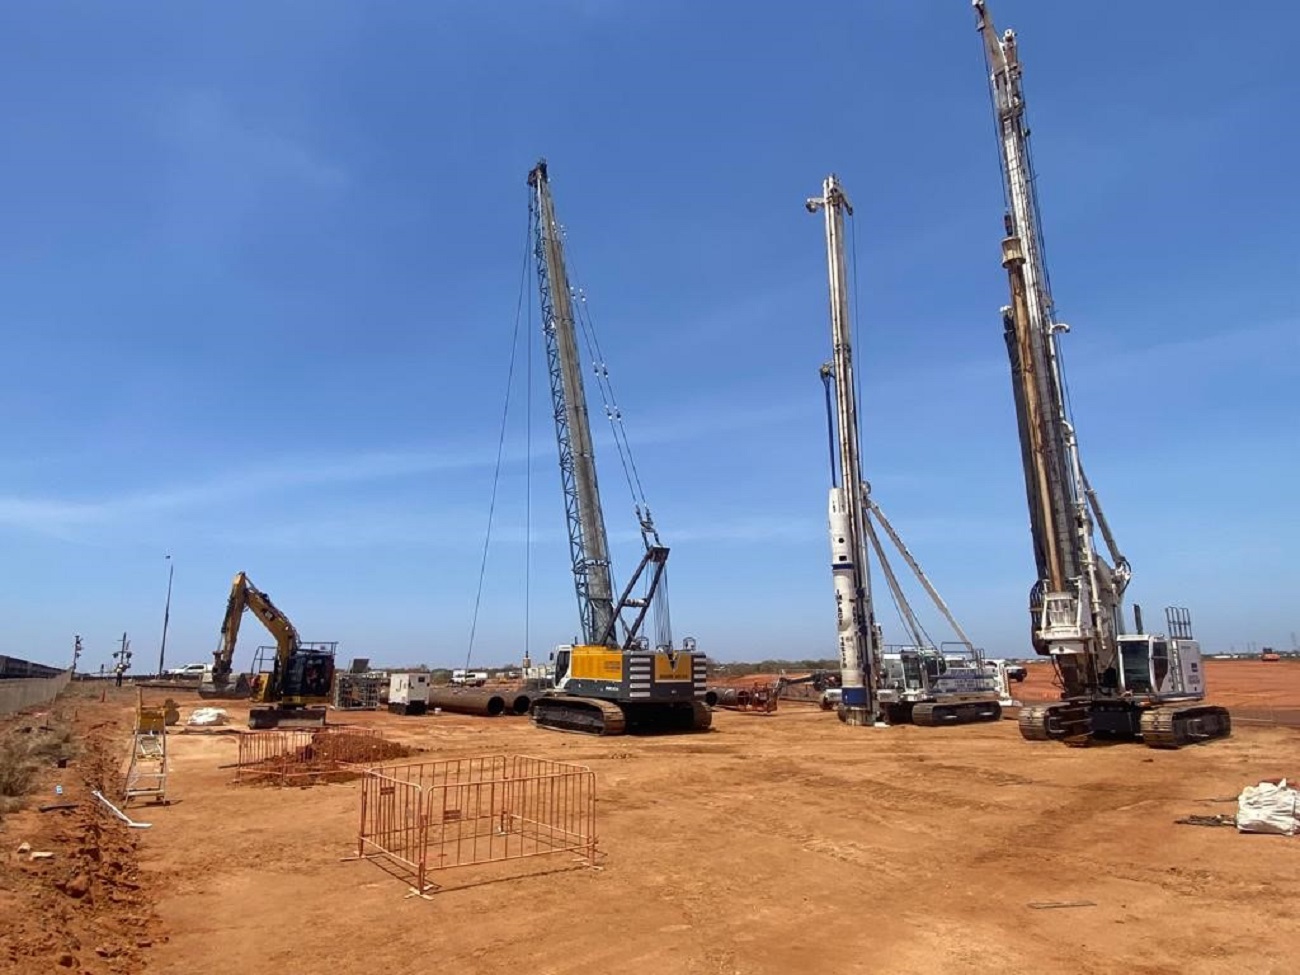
{"x":769,"y":845}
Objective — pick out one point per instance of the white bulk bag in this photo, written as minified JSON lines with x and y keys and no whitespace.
{"x":1269,"y":808}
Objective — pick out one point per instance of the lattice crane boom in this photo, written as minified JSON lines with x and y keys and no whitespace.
{"x":588,"y":541}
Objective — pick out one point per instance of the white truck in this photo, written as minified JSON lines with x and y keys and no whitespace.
{"x":469,"y":678}
{"x":408,"y":693}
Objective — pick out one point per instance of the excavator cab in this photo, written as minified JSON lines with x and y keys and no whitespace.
{"x":309,"y":674}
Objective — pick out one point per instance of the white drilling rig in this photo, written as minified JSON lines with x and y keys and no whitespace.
{"x":919,"y":683}
{"x":1113,"y":685}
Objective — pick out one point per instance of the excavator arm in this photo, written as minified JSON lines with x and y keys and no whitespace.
{"x":244,"y":595}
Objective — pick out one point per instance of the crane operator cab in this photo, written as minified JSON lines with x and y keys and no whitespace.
{"x":910,"y":669}
{"x":560,"y":659}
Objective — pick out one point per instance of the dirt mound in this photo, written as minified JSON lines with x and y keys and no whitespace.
{"x":315,"y":759}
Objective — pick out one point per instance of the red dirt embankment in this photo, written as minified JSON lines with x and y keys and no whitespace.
{"x":86,"y":909}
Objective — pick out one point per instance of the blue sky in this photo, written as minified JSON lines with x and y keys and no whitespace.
{"x":261,"y":265}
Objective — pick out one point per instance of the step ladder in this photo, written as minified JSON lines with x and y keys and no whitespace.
{"x":147,"y":775}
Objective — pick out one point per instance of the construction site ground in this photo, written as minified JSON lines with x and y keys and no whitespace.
{"x":772,"y":844}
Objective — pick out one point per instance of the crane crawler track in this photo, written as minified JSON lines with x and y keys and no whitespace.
{"x":1173,"y":726}
{"x":579,"y":715}
{"x":593,"y":716}
{"x":932,"y":714}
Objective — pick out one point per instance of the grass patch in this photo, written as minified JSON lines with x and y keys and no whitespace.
{"x":24,"y":752}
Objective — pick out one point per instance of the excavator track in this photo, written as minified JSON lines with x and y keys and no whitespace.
{"x":264,"y":716}
{"x":932,"y":714}
{"x":1067,"y":721}
{"x":1172,"y":726}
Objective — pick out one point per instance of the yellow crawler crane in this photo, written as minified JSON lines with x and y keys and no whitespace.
{"x":612,"y":680}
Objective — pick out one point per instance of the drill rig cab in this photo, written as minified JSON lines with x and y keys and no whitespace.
{"x":294,"y":691}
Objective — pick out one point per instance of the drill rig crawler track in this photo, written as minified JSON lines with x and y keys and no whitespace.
{"x":1165,"y":726}
{"x":933,"y":714}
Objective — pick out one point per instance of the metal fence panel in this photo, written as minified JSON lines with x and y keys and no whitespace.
{"x":432,"y":816}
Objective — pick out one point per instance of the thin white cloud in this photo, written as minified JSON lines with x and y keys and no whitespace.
{"x":62,"y":517}
{"x":59,"y":516}
{"x":225,"y":173}
{"x":1270,"y":345}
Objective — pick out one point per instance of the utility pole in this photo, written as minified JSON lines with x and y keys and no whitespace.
{"x":76,"y":651}
{"x":167,"y":611}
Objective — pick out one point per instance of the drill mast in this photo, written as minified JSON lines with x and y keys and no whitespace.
{"x":849,"y":494}
{"x":1075,"y":602}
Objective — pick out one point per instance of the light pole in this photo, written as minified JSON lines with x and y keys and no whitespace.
{"x":167,"y":612}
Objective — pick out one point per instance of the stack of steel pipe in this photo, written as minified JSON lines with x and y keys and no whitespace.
{"x":479,"y":701}
{"x":517,"y":702}
{"x":752,"y":697}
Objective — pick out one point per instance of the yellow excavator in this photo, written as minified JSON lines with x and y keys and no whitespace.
{"x":294,"y":692}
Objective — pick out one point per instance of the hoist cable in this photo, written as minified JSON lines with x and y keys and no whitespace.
{"x":501,"y":441}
